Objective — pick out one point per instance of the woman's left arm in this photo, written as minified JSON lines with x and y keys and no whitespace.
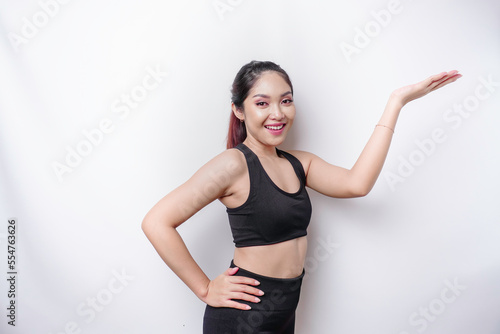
{"x":339,"y":182}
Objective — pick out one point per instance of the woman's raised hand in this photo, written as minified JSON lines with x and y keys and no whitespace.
{"x":226,"y":287}
{"x":412,"y":92}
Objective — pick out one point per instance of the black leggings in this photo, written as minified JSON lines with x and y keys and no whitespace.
{"x":275,"y":313}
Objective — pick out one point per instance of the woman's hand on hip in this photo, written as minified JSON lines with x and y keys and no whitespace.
{"x":226,"y":287}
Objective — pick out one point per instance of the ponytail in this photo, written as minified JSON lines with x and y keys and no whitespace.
{"x":237,"y":131}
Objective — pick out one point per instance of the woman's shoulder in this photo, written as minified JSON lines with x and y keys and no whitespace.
{"x":220,"y":172}
{"x":230,"y":161}
{"x":304,"y":157}
{"x":300,"y":154}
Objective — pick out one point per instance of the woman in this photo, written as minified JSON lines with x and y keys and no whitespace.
{"x":263,"y":189}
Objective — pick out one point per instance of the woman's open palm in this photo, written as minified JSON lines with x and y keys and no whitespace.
{"x":422,"y":88}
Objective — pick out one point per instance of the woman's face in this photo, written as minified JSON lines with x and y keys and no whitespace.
{"x":268,"y":110}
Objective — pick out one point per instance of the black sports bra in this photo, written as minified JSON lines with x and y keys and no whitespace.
{"x":269,"y":215}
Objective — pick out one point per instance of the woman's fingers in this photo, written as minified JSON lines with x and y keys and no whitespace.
{"x":239,"y":306}
{"x":237,"y":292}
{"x":244,"y":280}
{"x":226,"y":289}
{"x":231,"y":271}
{"x":441,"y":79}
{"x":245,"y":296}
{"x":245,"y":293}
{"x":436,"y":78}
{"x":244,"y":288}
{"x":447,"y":80}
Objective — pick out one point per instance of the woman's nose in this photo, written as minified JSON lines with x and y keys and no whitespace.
{"x":276,"y":113}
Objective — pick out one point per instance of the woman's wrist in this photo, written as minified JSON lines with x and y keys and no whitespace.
{"x":396,"y":101}
{"x":202,"y":292}
{"x":391,"y":113}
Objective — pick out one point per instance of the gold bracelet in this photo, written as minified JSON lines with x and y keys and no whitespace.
{"x":385,"y":126}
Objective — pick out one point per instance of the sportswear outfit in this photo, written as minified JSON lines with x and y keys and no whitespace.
{"x":268,"y":216}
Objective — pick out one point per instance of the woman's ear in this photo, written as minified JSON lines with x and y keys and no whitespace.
{"x":238,"y":112}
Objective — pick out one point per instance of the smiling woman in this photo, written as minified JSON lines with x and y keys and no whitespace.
{"x":267,"y":203}
{"x":246,"y":78}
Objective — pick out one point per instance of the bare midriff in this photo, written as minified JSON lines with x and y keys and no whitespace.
{"x":281,"y":260}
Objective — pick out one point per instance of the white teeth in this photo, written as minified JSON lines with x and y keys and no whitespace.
{"x":275,"y":127}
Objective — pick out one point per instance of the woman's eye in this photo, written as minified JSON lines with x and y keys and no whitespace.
{"x":287,"y":101}
{"x":261,"y":104}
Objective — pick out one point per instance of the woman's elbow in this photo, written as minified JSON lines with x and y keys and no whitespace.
{"x":145,"y":225}
{"x":148,"y":225}
{"x":361,"y":190}
{"x":152,"y":224}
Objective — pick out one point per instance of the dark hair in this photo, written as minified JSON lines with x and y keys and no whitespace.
{"x":243,"y":82}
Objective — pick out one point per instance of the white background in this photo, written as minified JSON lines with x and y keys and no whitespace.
{"x":391,"y":253}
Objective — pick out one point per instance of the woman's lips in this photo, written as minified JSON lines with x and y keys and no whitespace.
{"x":275,"y":129}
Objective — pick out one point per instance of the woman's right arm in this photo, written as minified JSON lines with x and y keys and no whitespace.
{"x":211,"y":181}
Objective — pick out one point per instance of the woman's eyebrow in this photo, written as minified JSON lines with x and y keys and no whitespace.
{"x":267,"y":96}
